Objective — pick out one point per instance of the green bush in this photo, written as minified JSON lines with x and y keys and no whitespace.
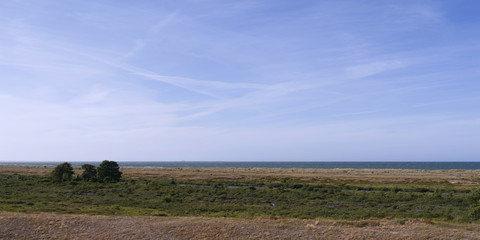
{"x":89,"y":173}
{"x":109,"y":171}
{"x":474,"y":212}
{"x":63,"y":172}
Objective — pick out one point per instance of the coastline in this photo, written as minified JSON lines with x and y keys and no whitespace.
{"x":419,"y":165}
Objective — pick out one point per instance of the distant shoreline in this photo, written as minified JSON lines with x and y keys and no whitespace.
{"x":451,"y":165}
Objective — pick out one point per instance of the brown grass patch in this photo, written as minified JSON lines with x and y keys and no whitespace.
{"x":53,"y":226}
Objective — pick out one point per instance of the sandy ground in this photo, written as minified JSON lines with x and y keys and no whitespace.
{"x":53,"y":226}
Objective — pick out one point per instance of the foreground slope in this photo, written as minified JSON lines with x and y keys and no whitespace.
{"x":55,"y":226}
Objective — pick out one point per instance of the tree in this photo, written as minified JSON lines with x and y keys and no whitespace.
{"x":62,"y":172}
{"x":89,"y":172}
{"x":108,"y":171}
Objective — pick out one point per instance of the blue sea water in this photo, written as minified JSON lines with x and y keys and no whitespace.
{"x":271,"y":164}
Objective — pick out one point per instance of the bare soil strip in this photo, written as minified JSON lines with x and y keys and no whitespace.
{"x":54,"y":226}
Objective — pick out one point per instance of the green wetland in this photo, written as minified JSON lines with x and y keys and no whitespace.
{"x":444,"y":196}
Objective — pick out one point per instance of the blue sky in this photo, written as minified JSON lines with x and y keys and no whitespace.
{"x":239,"y":80}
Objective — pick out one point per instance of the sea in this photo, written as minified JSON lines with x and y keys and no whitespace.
{"x":279,"y":164}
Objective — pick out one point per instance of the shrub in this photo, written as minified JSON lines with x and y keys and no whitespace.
{"x":108,"y":171}
{"x":474,"y":212}
{"x":89,"y":172}
{"x":62,"y":172}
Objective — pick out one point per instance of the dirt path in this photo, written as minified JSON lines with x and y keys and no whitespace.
{"x":54,"y":226}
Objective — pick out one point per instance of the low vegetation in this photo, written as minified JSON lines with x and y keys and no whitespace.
{"x":260,"y":196}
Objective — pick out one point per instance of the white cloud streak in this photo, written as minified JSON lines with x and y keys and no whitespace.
{"x":365,"y":70}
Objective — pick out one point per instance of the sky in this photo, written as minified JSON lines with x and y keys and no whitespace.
{"x":270,"y":80}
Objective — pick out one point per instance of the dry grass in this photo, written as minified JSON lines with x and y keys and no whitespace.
{"x":460,"y":177}
{"x":464,"y":177}
{"x":53,"y":226}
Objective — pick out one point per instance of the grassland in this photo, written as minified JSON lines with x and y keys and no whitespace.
{"x":339,"y":194}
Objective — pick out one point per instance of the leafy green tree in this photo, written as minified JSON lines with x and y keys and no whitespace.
{"x":108,"y":171}
{"x":89,"y":173}
{"x":62,"y":172}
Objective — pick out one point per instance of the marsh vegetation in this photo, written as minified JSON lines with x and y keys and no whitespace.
{"x":176,"y":192}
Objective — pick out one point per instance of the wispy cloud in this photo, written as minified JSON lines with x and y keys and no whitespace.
{"x":150,"y":36}
{"x":250,"y":80}
{"x":457,"y":100}
{"x":139,"y":44}
{"x":210,"y":88}
{"x":165,"y":22}
{"x":364,"y":70}
{"x":94,"y":96}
